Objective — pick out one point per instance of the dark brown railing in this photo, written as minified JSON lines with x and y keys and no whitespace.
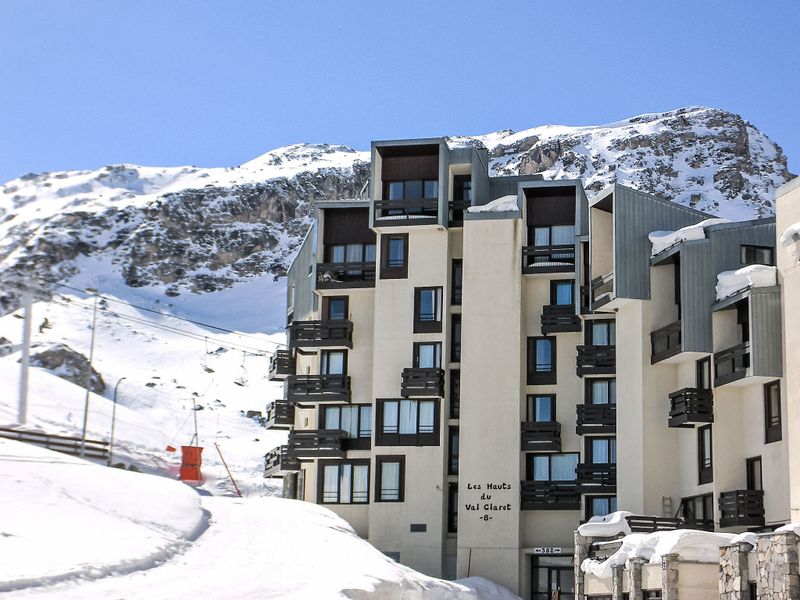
{"x":422,"y":382}
{"x":596,"y":360}
{"x":317,"y":388}
{"x":280,"y":415}
{"x":602,"y":286}
{"x":689,"y":406}
{"x":741,"y":508}
{"x":541,"y":436}
{"x":279,"y":460}
{"x":345,"y":274}
{"x":649,"y":524}
{"x":558,"y":318}
{"x":549,"y":495}
{"x":597,"y":477}
{"x":281,"y":364}
{"x":407,"y":212}
{"x":665,"y":342}
{"x":596,"y":418}
{"x":317,"y":443}
{"x":314,"y":334}
{"x":548,"y":259}
{"x":731,"y":364}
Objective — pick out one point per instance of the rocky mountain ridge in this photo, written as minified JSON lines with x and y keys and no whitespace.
{"x":188,"y":229}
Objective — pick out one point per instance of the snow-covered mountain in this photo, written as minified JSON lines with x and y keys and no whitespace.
{"x":188,"y":230}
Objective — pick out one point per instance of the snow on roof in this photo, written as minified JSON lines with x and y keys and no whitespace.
{"x":733,"y":282}
{"x":789,"y":528}
{"x":689,"y":544}
{"x":607,"y":526}
{"x":502,"y":204}
{"x":662,"y":240}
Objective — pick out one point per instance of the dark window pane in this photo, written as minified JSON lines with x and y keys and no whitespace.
{"x":431,"y":189}
{"x":396,"y":252}
{"x":544,"y":356}
{"x":337,"y":309}
{"x":413,"y":190}
{"x":396,"y":190}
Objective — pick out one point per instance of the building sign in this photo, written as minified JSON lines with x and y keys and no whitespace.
{"x":490,"y":498}
{"x":548,"y":550}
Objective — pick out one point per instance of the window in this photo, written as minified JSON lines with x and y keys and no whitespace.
{"x":754,"y":478}
{"x":452,"y":507}
{"x":772,"y":412}
{"x":601,"y":450}
{"x":355,"y":419}
{"x":390,"y":479}
{"x":552,"y":577}
{"x":412,"y":189}
{"x":554,"y":235}
{"x":455,"y":393}
{"x":541,"y":360}
{"x":408,"y":423}
{"x":456,"y":282}
{"x":427,"y":355}
{"x":344,"y":482}
{"x":394,"y":256}
{"x":704,"y":456}
{"x":462,"y":197}
{"x":561,"y":292}
{"x":703,"y":373}
{"x":699,"y":510}
{"x":654,"y":594}
{"x":452,"y":447}
{"x":601,"y":391}
{"x":428,"y":310}
{"x":757,"y":255}
{"x":552,"y":467}
{"x":351,"y":253}
{"x":601,"y":333}
{"x":541,"y":408}
{"x":335,"y":308}
{"x":600,"y":506}
{"x":333,"y":362}
{"x":455,"y":340}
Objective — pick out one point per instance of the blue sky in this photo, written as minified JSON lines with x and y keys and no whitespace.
{"x":171,"y":82}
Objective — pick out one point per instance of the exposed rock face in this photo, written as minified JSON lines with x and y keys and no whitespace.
{"x":192,"y":230}
{"x":70,"y":365}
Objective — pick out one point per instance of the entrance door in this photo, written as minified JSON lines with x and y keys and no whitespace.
{"x":553,"y":578}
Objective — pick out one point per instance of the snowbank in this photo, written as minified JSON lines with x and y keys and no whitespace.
{"x":790,"y":239}
{"x":502,"y":204}
{"x":662,"y":240}
{"x":607,"y":526}
{"x":66,"y":517}
{"x":689,"y":544}
{"x":731,"y":282}
{"x":789,"y":528}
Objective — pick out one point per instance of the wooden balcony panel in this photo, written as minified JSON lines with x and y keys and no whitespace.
{"x":665,"y":342}
{"x":317,"y":388}
{"x":422,"y":383}
{"x":541,"y":436}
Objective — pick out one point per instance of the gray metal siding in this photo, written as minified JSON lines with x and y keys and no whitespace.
{"x":765,"y":332}
{"x":480,"y":176}
{"x":303,"y":275}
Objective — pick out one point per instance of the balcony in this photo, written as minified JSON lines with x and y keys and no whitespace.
{"x":690,"y":406}
{"x":316,"y":334}
{"x":280,"y":415}
{"x":549,"y":495}
{"x":731,"y":364}
{"x":559,"y":318}
{"x":541,"y":436}
{"x":317,"y":388}
{"x":596,"y":418}
{"x":548,"y":259}
{"x":406,"y":212}
{"x":602,"y":290}
{"x":281,"y":365}
{"x":345,"y":275}
{"x":650,"y":524}
{"x":457,"y":208}
{"x":317,"y":443}
{"x":597,"y":478}
{"x":741,"y":508}
{"x":596,"y":360}
{"x":422,"y":382}
{"x":665,"y":342}
{"x":278,"y":461}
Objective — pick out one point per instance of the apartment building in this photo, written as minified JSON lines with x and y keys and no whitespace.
{"x":477,"y":364}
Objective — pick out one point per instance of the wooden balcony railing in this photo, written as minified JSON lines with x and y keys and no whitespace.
{"x":317,"y":388}
{"x":280,"y":415}
{"x":456,"y":210}
{"x":541,"y":436}
{"x":345,"y":275}
{"x":548,"y":259}
{"x":741,"y":508}
{"x":278,"y":461}
{"x":315,"y":334}
{"x":549,"y":495}
{"x":649,"y":524}
{"x":557,"y":318}
{"x":731,"y":364}
{"x":596,"y":360}
{"x":665,"y":342}
{"x":422,"y":382}
{"x":690,"y":406}
{"x":317,"y":443}
{"x":281,"y":364}
{"x":602,"y":290}
{"x":407,"y":212}
{"x":597,"y":477}
{"x":596,"y":418}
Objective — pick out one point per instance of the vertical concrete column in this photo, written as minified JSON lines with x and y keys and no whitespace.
{"x":778,"y":576}
{"x":734,"y":572}
{"x":669,"y":577}
{"x":617,"y":572}
{"x":582,"y":545}
{"x":635,"y":579}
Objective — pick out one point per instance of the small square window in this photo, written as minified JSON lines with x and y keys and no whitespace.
{"x":394,"y":256}
{"x":428,"y":310}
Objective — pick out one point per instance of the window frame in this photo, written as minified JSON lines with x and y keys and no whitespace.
{"x":749,"y":464}
{"x":379,"y":462}
{"x":755,"y":248}
{"x":360,"y":442}
{"x":773,"y":423}
{"x":455,"y":399}
{"x":428,"y":325}
{"x":707,"y":500}
{"x":455,"y":338}
{"x":383,"y":438}
{"x":589,"y":513}
{"x":456,"y":289}
{"x":530,"y":403}
{"x":702,"y":368}
{"x":341,"y":463}
{"x":390,"y":271}
{"x":589,"y":390}
{"x":535,"y":376}
{"x":452,"y":507}
{"x":589,"y":448}
{"x":437,"y":353}
{"x":705,"y":472}
{"x":554,"y":285}
{"x":611,"y":324}
{"x":531,"y":458}
{"x":453,"y":434}
{"x":324,"y":357}
{"x":326,"y":307}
